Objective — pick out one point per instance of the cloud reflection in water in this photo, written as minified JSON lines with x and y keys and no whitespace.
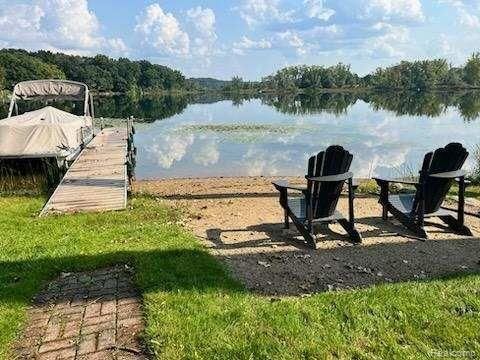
{"x":220,"y":139}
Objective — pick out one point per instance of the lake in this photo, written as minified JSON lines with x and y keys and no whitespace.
{"x":218,"y":135}
{"x":276,"y":136}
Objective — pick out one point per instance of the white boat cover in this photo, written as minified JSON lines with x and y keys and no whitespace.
{"x":44,"y":132}
{"x":50,"y":89}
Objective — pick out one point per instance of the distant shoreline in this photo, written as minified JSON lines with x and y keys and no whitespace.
{"x":6,"y":94}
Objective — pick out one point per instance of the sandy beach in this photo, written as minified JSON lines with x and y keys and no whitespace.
{"x":240,"y":221}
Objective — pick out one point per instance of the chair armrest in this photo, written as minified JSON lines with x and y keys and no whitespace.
{"x":396,"y":180}
{"x":331,"y":178}
{"x":449,"y":174}
{"x":283,"y":184}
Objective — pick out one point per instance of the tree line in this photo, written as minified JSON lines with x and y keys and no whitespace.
{"x":107,"y":75}
{"x":407,"y":75}
{"x":101,"y":73}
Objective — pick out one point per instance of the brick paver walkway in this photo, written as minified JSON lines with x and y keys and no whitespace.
{"x":94,"y":315}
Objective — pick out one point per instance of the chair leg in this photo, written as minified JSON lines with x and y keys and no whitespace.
{"x":302,"y":229}
{"x":350,"y":229}
{"x":456,"y":225}
{"x":383,"y":200}
{"x":307,"y":235}
{"x":286,"y":220}
{"x":384,"y":213}
{"x":409,"y":223}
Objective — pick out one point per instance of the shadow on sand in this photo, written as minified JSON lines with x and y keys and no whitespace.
{"x":280,"y":263}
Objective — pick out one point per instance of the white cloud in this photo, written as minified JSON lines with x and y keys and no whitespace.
{"x":466,"y":9}
{"x":48,"y":24}
{"x":203,"y":20}
{"x":389,"y":44}
{"x":208,"y":153}
{"x":204,"y":37}
{"x":293,"y":40}
{"x":255,"y":12}
{"x":467,"y":19}
{"x":316,"y":9}
{"x":168,"y":149}
{"x":17,"y":20}
{"x":394,"y":9}
{"x":247,"y":44}
{"x":162,"y":32}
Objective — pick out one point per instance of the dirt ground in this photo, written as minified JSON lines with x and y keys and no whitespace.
{"x":241,"y":222}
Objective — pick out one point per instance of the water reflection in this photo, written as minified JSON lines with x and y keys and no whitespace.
{"x":216,"y":134}
{"x":225,"y":139}
{"x":152,"y":108}
{"x":430,"y":104}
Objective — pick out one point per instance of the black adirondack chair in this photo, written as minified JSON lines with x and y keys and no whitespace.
{"x":439,"y":170}
{"x":327,"y":173}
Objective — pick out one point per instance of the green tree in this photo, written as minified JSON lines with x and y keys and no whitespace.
{"x":472,"y":70}
{"x":2,"y":78}
{"x":19,"y":65}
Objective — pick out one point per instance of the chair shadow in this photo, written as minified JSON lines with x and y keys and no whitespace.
{"x":281,"y":264}
{"x":277,"y":234}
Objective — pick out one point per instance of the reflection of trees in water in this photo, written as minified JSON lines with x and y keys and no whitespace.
{"x":430,"y":104}
{"x":408,"y":103}
{"x":151,"y":108}
{"x":145,"y":108}
{"x":469,"y":105}
{"x":303,"y":104}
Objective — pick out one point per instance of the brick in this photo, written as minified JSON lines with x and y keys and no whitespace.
{"x":128,"y":311}
{"x":78,"y":300}
{"x":133,"y":321}
{"x":93,"y":309}
{"x":60,"y":306}
{"x":110,"y":284}
{"x":87,"y":344}
{"x":53,"y":332}
{"x":71,"y":329}
{"x":63,"y":354}
{"x":99,"y":355}
{"x":127,"y":301}
{"x":74,"y":326}
{"x":99,"y":319}
{"x":91,"y":329}
{"x":38,"y":315}
{"x":126,"y":293}
{"x":33,"y":335}
{"x":106,"y":339}
{"x":41,"y":322}
{"x":73,"y":310}
{"x":102,"y":293}
{"x":129,"y":336}
{"x":109,"y":307}
{"x":56,"y":345}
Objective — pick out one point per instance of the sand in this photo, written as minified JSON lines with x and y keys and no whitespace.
{"x":241,"y":223}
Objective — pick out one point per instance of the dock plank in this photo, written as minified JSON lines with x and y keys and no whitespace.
{"x":97,"y":180}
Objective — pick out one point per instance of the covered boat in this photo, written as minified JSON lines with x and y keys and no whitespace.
{"x":47,"y":132}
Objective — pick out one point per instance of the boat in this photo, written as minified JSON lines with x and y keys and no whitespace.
{"x":48,"y":132}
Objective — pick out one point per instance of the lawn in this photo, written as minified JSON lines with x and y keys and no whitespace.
{"x":195,"y":310}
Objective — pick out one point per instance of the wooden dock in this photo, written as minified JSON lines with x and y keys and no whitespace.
{"x":97,"y":180}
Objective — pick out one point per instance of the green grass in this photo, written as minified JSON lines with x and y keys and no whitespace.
{"x":195,"y":310}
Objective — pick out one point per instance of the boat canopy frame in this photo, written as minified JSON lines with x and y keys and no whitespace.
{"x":52,"y":89}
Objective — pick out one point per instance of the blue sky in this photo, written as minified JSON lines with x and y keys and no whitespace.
{"x":249,"y":38}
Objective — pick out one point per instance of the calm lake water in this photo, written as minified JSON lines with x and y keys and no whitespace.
{"x":258,"y":137}
{"x":201,"y":136}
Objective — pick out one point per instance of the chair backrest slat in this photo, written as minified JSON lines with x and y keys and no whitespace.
{"x":324,"y":196}
{"x":450,"y":158}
